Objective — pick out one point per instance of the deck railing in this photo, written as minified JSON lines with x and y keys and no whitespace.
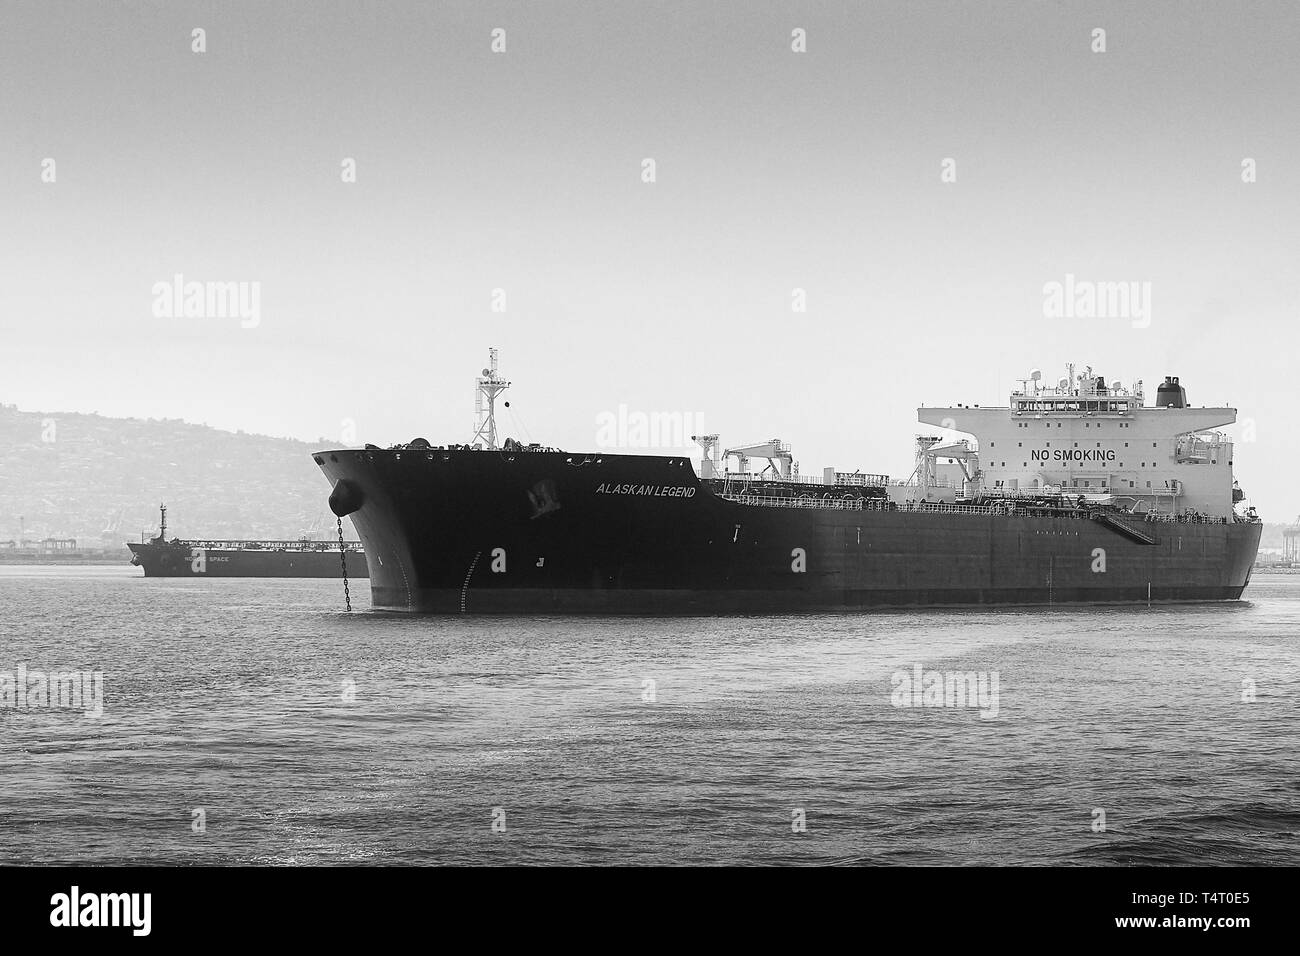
{"x":262,"y":545}
{"x":997,"y":508}
{"x":776,"y":501}
{"x":856,"y":504}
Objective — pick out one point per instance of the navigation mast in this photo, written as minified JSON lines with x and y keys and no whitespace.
{"x":488,"y":386}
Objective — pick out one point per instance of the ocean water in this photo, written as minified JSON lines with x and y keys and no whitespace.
{"x":256,"y":722}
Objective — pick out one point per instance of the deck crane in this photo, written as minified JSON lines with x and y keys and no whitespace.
{"x":774,"y":450}
{"x":928,"y":453}
{"x":709,"y":461}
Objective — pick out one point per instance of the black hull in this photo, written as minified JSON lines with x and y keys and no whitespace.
{"x":177,"y":561}
{"x":529,"y":532}
{"x":679,"y":602}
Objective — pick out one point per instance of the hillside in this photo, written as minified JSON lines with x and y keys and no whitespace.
{"x":100,"y":480}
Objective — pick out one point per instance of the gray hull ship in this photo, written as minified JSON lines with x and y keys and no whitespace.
{"x":199,"y":558}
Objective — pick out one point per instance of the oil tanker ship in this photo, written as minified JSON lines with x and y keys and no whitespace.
{"x":303,"y":558}
{"x":1077,"y":492}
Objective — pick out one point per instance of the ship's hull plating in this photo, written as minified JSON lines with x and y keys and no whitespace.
{"x":525,"y":532}
{"x":182,"y":561}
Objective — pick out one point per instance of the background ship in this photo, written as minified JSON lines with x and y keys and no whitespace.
{"x":303,"y":558}
{"x":1073,"y":493}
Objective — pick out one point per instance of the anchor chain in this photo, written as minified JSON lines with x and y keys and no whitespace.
{"x":343,"y":559}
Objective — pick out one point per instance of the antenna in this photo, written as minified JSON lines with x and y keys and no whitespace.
{"x":488,"y":386}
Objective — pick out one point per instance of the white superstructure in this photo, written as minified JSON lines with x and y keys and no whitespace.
{"x":1082,"y":436}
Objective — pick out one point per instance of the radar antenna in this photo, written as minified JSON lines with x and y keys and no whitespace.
{"x":489,"y":386}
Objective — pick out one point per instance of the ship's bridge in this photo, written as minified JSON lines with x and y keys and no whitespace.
{"x":1084,"y":436}
{"x":1092,"y":395}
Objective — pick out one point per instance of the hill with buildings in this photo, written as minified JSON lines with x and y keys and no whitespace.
{"x":100,"y":480}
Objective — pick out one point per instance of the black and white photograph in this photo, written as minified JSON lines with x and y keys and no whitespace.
{"x":441,"y":435}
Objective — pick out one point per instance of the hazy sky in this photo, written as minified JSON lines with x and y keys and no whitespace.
{"x":774,"y":171}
